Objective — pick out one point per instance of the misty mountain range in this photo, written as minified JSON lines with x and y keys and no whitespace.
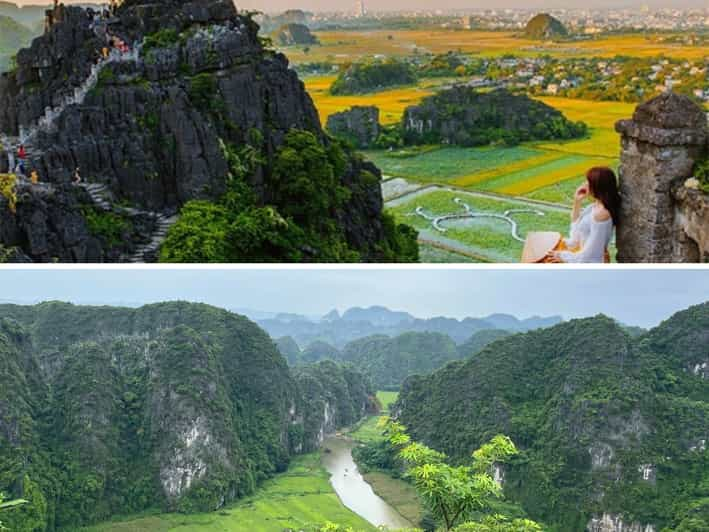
{"x":339,"y":329}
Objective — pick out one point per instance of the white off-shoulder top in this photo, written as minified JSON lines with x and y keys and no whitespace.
{"x":590,"y":236}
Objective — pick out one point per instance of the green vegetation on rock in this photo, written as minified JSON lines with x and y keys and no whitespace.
{"x":480,"y":340}
{"x":544,"y":26}
{"x":178,"y":406}
{"x":13,"y":36}
{"x":458,"y":497}
{"x":467,"y":117}
{"x":390,"y":360}
{"x":371,"y":76}
{"x":298,"y":224}
{"x":606,"y":423}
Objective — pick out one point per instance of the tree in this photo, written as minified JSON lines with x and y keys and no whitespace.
{"x":453,"y":494}
{"x":6,"y":505}
{"x":499,"y":523}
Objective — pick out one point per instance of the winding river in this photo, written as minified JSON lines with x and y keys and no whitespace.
{"x":352,"y":489}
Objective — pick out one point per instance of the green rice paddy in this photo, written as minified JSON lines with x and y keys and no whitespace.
{"x":299,"y":499}
{"x":487,"y":237}
{"x":444,"y":165}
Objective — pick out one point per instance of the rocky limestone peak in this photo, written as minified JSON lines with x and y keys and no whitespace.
{"x":141,"y":17}
{"x":544,"y":26}
{"x":151,"y":101}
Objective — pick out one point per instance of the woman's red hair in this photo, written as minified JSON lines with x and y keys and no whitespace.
{"x":603,"y":185}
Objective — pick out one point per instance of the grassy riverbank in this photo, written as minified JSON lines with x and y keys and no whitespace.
{"x":399,"y":494}
{"x":299,"y":499}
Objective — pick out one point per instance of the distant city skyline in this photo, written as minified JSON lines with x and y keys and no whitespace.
{"x":634,"y":297}
{"x":273,"y":6}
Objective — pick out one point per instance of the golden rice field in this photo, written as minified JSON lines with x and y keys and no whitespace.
{"x":600,"y":117}
{"x":477,"y":178}
{"x":345,"y":46}
{"x":526,"y":181}
{"x":391,"y":103}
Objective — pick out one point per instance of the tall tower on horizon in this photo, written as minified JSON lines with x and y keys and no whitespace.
{"x":360,"y":10}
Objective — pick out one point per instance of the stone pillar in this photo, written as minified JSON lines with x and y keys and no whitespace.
{"x":660,"y":145}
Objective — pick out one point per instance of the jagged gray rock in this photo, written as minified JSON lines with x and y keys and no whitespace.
{"x":358,"y":124}
{"x":294,"y":34}
{"x":155,"y":127}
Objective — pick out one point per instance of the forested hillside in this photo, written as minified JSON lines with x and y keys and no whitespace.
{"x":390,"y":360}
{"x":13,"y":36}
{"x":612,"y":428}
{"x":180,"y":406}
{"x":479,"y":340}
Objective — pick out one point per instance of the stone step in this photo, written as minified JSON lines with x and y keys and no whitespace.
{"x":162,"y":226}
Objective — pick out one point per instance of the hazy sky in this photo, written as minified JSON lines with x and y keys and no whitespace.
{"x":388,"y":5}
{"x":411,"y":5}
{"x":636,"y":297}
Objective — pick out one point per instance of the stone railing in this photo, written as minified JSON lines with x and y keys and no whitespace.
{"x":661,"y":144}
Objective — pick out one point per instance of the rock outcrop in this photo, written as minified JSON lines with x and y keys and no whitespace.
{"x":544,"y":26}
{"x":178,"y":405}
{"x":468,"y":117}
{"x":294,"y":35}
{"x":663,"y":220}
{"x":615,"y":523}
{"x":358,"y":125}
{"x":157,"y":125}
{"x":63,"y":223}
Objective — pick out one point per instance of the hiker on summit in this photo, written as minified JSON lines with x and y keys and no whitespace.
{"x":21,"y":155}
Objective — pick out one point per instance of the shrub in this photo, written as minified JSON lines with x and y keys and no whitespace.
{"x":161,"y":39}
{"x":701,"y":173}
{"x":8,"y":184}
{"x":299,"y":221}
{"x":108,"y":226}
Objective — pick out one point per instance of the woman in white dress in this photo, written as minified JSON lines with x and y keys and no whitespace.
{"x":592,"y":227}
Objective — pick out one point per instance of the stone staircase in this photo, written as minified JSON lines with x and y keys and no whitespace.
{"x":149,"y":252}
{"x":102,"y":198}
{"x":100,"y":195}
{"x":47,"y":121}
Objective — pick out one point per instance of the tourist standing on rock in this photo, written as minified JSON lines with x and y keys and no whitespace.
{"x":592,"y":227}
{"x":21,"y":155}
{"x":77,"y":176}
{"x":34,"y":177}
